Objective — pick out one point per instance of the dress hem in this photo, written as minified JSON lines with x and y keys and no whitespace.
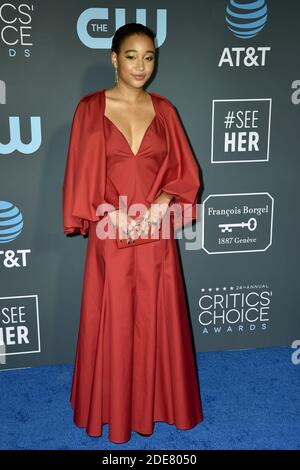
{"x":180,"y":428}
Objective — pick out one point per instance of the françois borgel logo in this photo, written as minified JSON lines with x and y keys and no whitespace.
{"x":245,"y":19}
{"x":235,"y":309}
{"x":19,"y":325}
{"x":237,"y":223}
{"x":14,"y":138}
{"x":241,"y":130}
{"x":94,"y":25}
{"x":16,"y":28}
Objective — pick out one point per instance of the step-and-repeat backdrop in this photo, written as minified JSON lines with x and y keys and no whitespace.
{"x":231,"y":68}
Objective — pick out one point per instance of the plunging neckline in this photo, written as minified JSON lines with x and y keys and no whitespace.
{"x":145,"y":133}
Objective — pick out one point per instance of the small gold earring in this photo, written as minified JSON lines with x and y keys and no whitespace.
{"x":116,"y":75}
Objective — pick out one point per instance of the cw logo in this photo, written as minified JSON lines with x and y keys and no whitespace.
{"x":15,"y":133}
{"x":120,"y":19}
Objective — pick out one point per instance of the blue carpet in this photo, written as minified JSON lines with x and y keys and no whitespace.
{"x":251,"y":400}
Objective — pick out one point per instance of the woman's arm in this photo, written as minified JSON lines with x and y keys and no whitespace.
{"x":163,"y":197}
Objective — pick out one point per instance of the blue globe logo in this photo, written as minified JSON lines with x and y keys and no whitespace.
{"x":11,"y":222}
{"x":246,"y":19}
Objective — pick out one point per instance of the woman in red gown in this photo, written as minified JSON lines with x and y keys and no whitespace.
{"x":134,"y":361}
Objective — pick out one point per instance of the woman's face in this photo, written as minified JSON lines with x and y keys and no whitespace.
{"x":135,"y":60}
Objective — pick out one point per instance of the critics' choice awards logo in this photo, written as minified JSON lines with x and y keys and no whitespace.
{"x":11,"y":226}
{"x":16,"y":28}
{"x":241,"y":130}
{"x":19,"y":325}
{"x":239,"y":309}
{"x":237,"y":223}
{"x":245,"y":19}
{"x":93,"y":25}
{"x":14,"y":133}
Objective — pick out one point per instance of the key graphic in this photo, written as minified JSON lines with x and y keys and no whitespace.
{"x":251,"y":224}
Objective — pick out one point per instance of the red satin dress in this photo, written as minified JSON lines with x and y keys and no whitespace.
{"x":134,"y":361}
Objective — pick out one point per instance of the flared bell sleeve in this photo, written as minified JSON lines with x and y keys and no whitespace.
{"x":85,"y":171}
{"x":178,"y":174}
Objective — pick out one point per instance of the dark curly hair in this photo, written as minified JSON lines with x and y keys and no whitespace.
{"x":127,"y":30}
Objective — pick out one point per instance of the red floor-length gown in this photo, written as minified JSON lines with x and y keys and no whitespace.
{"x":134,"y":361}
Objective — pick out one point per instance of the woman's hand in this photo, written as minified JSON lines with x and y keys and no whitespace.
{"x":152,"y":217}
{"x":155,"y":213}
{"x":124,"y":223}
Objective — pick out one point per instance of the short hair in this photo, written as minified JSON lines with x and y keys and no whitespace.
{"x":127,"y":30}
